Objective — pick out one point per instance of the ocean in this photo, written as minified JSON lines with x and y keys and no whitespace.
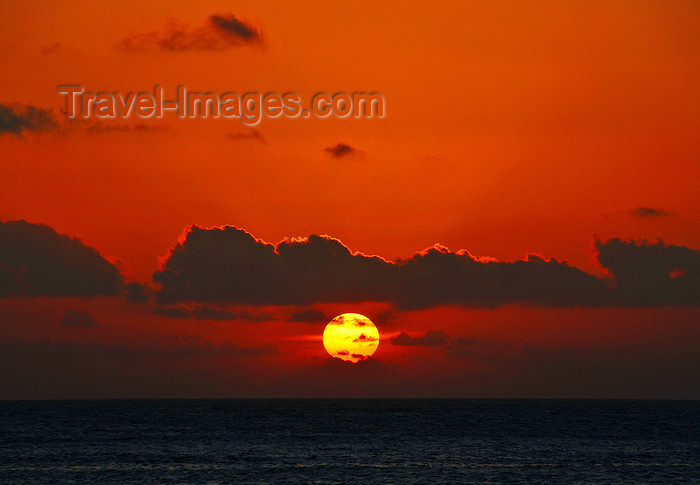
{"x":350,"y":441}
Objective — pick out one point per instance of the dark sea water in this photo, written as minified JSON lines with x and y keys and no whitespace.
{"x":330,"y":441}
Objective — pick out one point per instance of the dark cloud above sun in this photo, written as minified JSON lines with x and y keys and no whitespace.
{"x":228,"y":264}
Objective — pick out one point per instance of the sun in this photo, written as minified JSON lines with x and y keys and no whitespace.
{"x":351,"y":337}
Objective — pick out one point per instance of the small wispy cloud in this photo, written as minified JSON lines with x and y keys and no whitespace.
{"x":251,"y":134}
{"x":17,"y":119}
{"x":645,"y":212}
{"x":219,"y":32}
{"x":342,"y":150}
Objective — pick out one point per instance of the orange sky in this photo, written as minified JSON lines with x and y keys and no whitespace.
{"x":510,"y":128}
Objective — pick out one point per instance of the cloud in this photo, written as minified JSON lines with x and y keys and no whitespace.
{"x":236,"y":28}
{"x":208,"y":313}
{"x":250,"y":134}
{"x":220,"y":31}
{"x":172,"y":312}
{"x":388,"y":318}
{"x":50,"y":48}
{"x":649,"y":212}
{"x":308,"y":315}
{"x":101,"y":128}
{"x":137,"y":292}
{"x":35,"y":260}
{"x":651,"y":274}
{"x":365,"y":338}
{"x":461,"y":347}
{"x":350,"y":319}
{"x":75,"y":318}
{"x":227,"y":264}
{"x":198,"y":348}
{"x":202,"y":312}
{"x":340,"y":150}
{"x":431,"y":338}
{"x":438,"y":276}
{"x":18,"y":119}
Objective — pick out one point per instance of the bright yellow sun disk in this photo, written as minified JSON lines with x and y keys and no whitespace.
{"x":351,"y":337}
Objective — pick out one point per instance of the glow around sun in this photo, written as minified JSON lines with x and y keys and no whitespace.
{"x":351,"y":336}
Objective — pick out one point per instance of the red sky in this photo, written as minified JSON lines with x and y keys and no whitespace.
{"x":510,"y":128}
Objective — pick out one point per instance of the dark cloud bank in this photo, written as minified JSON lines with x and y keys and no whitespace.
{"x":308,"y":315}
{"x":227,"y":264}
{"x":37,"y":261}
{"x":203,"y":312}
